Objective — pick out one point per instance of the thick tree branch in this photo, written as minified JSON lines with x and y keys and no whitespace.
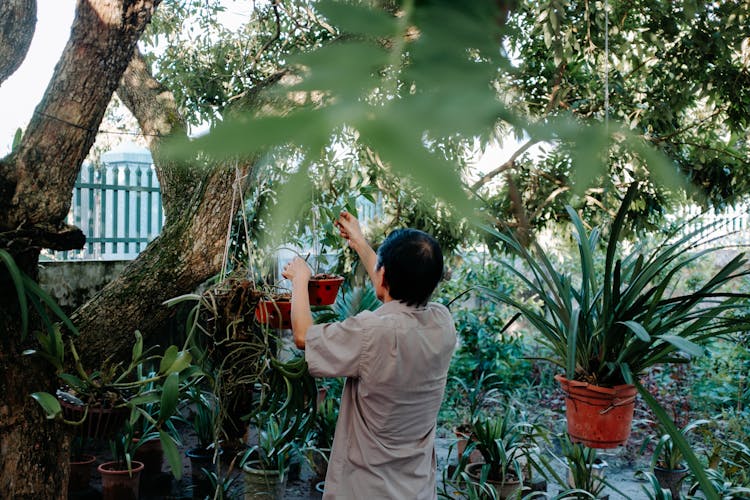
{"x":64,"y":125}
{"x":17,"y":25}
{"x":155,"y":108}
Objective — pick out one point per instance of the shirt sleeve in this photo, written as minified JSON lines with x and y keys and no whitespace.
{"x":335,"y":349}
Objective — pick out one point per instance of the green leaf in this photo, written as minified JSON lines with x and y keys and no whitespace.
{"x":356,"y":19}
{"x":170,"y":355}
{"x":72,"y":381}
{"x":138,"y":346}
{"x":181,"y":362}
{"x":169,"y":396}
{"x":683,"y":344}
{"x":17,"y":277}
{"x":637,"y":329}
{"x":34,"y":288}
{"x":49,"y":404}
{"x":171,"y":453}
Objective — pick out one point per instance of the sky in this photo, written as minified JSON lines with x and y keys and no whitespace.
{"x":20,"y":93}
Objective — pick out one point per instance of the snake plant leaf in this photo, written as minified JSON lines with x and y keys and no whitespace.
{"x":170,"y":355}
{"x":49,"y":404}
{"x":169,"y":396}
{"x":683,"y":344}
{"x":637,"y":329}
{"x":171,"y":453}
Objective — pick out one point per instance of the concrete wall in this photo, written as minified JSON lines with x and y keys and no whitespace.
{"x":73,"y":283}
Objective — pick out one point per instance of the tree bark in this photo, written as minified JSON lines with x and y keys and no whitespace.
{"x":36,"y":182}
{"x":17,"y":24}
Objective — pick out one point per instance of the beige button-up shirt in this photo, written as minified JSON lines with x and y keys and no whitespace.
{"x":396,"y":363}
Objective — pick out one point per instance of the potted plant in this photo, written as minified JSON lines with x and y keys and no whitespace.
{"x":323,"y":288}
{"x":606,"y":325}
{"x":467,"y":400}
{"x":121,"y":476}
{"x":80,"y":466}
{"x":507,"y":447}
{"x":266,"y":464}
{"x":585,"y":471}
{"x":275,"y":310}
{"x":204,"y":456}
{"x":320,"y":437}
{"x":668,"y":463}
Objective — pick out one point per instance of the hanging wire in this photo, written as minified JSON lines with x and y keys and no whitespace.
{"x":606,"y":66}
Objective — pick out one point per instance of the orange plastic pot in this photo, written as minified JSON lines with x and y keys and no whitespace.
{"x":598,"y":417}
{"x":323,"y":290}
{"x":274,"y":313}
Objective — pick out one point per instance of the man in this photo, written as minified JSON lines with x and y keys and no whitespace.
{"x":396,"y":362}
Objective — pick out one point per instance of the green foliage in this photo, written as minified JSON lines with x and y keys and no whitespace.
{"x":276,"y":445}
{"x":584,"y":466}
{"x":669,"y":456}
{"x":608,"y":327}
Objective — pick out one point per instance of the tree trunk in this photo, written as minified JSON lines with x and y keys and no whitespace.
{"x":17,"y":23}
{"x":36,"y":182}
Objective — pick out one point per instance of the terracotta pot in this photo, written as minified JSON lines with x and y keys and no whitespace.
{"x":261,"y":483}
{"x":118,"y":484}
{"x":506,"y":489}
{"x":598,"y":417}
{"x":151,"y":454}
{"x":462,"y":439}
{"x":276,"y":314}
{"x":323,"y":290}
{"x":80,"y":472}
{"x":671,"y":479}
{"x":100,"y":423}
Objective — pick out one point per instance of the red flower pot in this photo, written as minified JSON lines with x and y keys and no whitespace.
{"x":275,"y":313}
{"x":80,"y":473}
{"x":323,"y":289}
{"x":119,"y":484}
{"x":598,"y":417}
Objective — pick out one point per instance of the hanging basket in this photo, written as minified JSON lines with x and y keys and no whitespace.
{"x":323,"y":289}
{"x":275,"y":313}
{"x":100,"y":422}
{"x":598,"y":417}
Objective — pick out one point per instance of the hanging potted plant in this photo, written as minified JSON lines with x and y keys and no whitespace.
{"x":605,"y":326}
{"x":323,"y":288}
{"x":275,"y":310}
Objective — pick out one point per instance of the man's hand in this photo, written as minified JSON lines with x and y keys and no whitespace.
{"x":296,"y":270}
{"x":349,"y":230}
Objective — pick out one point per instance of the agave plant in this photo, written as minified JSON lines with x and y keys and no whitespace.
{"x":607,"y":327}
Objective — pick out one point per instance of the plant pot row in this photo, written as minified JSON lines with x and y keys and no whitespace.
{"x":118,"y":483}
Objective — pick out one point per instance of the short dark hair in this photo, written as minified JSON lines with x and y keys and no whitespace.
{"x":413,"y":265}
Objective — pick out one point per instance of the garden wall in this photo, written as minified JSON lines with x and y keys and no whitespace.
{"x":73,"y":283}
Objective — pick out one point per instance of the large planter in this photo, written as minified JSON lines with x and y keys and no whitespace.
{"x":80,"y":473}
{"x":201,"y":463}
{"x":100,"y":423}
{"x":263,"y":484}
{"x":671,"y":479}
{"x":505,"y":489}
{"x":323,"y":289}
{"x":118,"y":484}
{"x":275,"y":313}
{"x":598,"y":417}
